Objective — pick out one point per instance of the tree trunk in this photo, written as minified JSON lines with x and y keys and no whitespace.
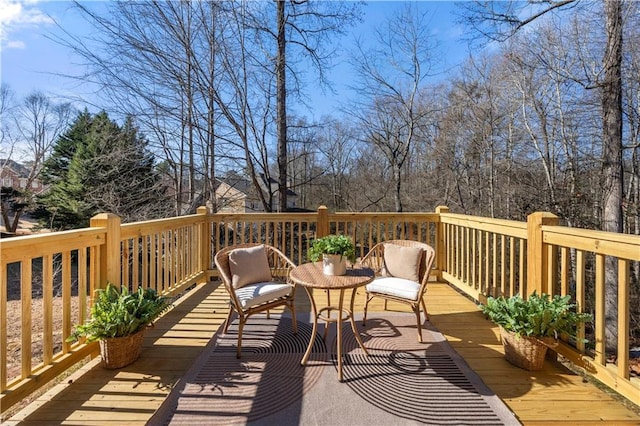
{"x":281,"y":108}
{"x":211,"y":128}
{"x":397,"y":193}
{"x":612,"y":157}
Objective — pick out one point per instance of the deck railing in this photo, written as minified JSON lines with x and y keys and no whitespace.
{"x":484,"y":257}
{"x":576,"y":262}
{"x":481,"y":257}
{"x":292,"y":232}
{"x":489,"y":257}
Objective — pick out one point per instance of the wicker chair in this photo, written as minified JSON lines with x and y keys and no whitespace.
{"x":255,"y":297}
{"x":394,"y":288}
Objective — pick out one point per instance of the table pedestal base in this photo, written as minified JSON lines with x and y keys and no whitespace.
{"x":342,"y":314}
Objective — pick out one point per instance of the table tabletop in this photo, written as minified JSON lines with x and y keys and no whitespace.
{"x":311,"y":275}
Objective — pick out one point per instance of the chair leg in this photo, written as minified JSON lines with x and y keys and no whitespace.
{"x":294,"y":320}
{"x":424,"y":308}
{"x":366,"y":303}
{"x":416,"y":309}
{"x":268,"y":314}
{"x":240,"y":328}
{"x":228,"y":320}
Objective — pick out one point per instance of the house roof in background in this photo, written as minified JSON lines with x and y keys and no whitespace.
{"x":18,"y":168}
{"x":244,"y":185}
{"x":237,"y":182}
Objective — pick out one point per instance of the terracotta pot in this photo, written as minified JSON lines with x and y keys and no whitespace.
{"x":334,"y":264}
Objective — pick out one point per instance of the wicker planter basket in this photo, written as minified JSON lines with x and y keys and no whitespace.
{"x":525,"y":352}
{"x":119,"y":352}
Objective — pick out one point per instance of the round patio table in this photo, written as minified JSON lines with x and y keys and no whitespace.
{"x":310,"y":276}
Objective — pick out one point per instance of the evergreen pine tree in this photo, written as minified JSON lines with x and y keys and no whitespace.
{"x":57,"y":206}
{"x":110,"y":170}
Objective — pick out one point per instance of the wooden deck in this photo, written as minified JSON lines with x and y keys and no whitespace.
{"x":95,"y":396}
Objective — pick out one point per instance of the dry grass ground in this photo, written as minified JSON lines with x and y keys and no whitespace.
{"x":14,"y":339}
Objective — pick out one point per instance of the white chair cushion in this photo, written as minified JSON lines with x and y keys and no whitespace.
{"x":394,"y":286}
{"x":256,"y":294}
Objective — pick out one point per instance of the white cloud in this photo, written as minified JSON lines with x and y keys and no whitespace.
{"x":17,"y":15}
{"x":14,"y":44}
{"x":9,"y":11}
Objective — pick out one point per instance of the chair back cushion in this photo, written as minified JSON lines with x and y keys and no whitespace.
{"x":402,"y":262}
{"x":249,"y":266}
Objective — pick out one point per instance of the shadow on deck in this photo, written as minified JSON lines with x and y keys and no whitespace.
{"x":131,"y":395}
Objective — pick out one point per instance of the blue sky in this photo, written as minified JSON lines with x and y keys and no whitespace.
{"x":30,"y":59}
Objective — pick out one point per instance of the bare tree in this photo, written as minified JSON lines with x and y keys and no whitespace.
{"x":155,"y":61}
{"x":6,"y":106}
{"x":304,"y":167}
{"x":390,"y":78}
{"x":631,"y":106}
{"x":337,"y":147}
{"x":199,"y":78}
{"x":482,"y":99}
{"x":501,"y":20}
{"x":36,"y":123}
{"x":304,"y":29}
{"x":371,"y":186}
{"x":536,"y":94}
{"x":281,"y":104}
{"x":39,"y":121}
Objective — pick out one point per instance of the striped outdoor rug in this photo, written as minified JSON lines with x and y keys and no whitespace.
{"x":402,"y":382}
{"x":428,"y":383}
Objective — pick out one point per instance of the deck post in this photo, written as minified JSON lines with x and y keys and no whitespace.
{"x":538,"y":259}
{"x":441,"y":246}
{"x":205,"y":239}
{"x":322,"y":228}
{"x":110,"y":267}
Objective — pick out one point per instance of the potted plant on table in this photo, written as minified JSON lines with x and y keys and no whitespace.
{"x":118,"y":320}
{"x":334,"y":250}
{"x":528,"y":327}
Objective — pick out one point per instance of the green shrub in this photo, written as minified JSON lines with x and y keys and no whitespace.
{"x":538,"y":316}
{"x":119,"y":313}
{"x":332,"y":244}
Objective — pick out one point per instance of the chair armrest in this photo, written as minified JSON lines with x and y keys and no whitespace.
{"x":279,"y":263}
{"x":374,"y":259}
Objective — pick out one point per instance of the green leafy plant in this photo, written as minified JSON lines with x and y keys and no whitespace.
{"x":332,"y":244}
{"x":118,"y":313}
{"x":537,"y":316}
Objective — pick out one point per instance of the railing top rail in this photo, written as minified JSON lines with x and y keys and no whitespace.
{"x":625,"y":246}
{"x":501,"y":226}
{"x":432,"y":217}
{"x":614,"y":237}
{"x":267,"y":217}
{"x":313,"y":216}
{"x":129,"y":230}
{"x":13,"y":249}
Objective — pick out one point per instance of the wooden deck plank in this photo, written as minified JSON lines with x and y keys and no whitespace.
{"x":542,"y":392}
{"x":582,"y":423}
{"x":609,"y":411}
{"x":95,"y":396}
